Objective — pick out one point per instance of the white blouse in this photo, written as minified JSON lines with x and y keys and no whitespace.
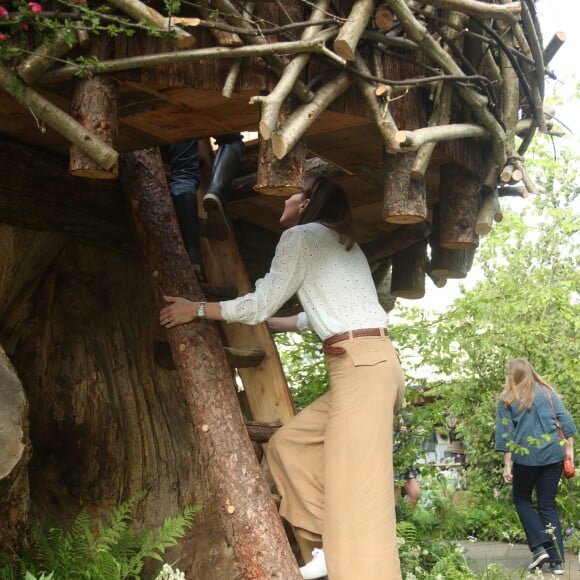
{"x":334,"y":285}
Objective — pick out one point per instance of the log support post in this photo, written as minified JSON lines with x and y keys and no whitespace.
{"x":447,"y":263}
{"x":459,"y":192}
{"x":248,"y":513}
{"x":94,"y":106}
{"x":282,"y":177}
{"x":405,"y":199}
{"x":409,"y":268}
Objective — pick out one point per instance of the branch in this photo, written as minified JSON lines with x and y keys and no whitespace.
{"x":232,"y":16}
{"x":46,"y":55}
{"x":414,"y":139}
{"x":139,"y":11}
{"x":284,"y":139}
{"x":484,"y":9}
{"x":440,"y":116}
{"x":553,"y":46}
{"x":217,"y":52}
{"x":476,"y":102}
{"x":270,"y":105}
{"x":351,"y":31}
{"x":62,"y":123}
{"x":383,"y":118}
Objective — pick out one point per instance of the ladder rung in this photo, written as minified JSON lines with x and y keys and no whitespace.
{"x":237,"y":357}
{"x":261,"y":432}
{"x":244,"y":358}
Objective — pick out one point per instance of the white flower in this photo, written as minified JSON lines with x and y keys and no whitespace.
{"x":168,"y":573}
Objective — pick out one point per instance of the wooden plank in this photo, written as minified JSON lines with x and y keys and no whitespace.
{"x":265,"y":385}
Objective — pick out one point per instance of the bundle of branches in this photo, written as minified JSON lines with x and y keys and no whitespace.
{"x":482,"y":61}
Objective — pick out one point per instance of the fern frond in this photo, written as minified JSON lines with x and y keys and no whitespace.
{"x":118,"y":522}
{"x":408,"y":531}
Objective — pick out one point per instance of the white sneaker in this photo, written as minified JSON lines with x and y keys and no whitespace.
{"x":316,"y":568}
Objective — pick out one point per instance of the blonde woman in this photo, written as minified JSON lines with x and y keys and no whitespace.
{"x":529,"y":412}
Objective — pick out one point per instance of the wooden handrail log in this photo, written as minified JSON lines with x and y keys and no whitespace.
{"x":414,"y":139}
{"x":218,"y":52}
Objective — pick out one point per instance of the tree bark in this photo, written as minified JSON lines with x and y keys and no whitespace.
{"x":458,"y":207}
{"x":405,"y":199}
{"x":280,"y":176}
{"x":247,"y":511}
{"x":94,"y":106}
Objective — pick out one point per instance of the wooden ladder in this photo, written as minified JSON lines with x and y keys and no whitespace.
{"x":250,"y":349}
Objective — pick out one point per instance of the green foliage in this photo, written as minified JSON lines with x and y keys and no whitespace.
{"x":105,"y":549}
{"x":25,"y":29}
{"x":304,"y":366}
{"x":527,"y":304}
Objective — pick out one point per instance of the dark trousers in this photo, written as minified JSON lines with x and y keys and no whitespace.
{"x":541,"y":522}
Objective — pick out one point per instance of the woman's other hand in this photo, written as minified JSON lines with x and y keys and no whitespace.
{"x":507,"y":474}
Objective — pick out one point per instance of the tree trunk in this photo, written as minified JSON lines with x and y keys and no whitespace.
{"x":247,"y":511}
{"x":458,"y":207}
{"x":106,"y":423}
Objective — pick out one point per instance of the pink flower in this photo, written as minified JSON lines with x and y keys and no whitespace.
{"x":3,"y":12}
{"x":24,"y":26}
{"x":35,"y":7}
{"x":2,"y":37}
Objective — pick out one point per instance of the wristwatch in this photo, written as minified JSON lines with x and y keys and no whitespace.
{"x":200,"y":312}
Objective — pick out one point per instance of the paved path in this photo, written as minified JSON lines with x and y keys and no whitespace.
{"x":513,"y":557}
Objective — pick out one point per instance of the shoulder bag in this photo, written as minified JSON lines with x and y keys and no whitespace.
{"x":568,"y":463}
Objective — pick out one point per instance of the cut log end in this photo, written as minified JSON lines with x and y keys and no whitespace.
{"x":404,"y":219}
{"x":95,"y":173}
{"x":459,"y":245}
{"x":265,"y":130}
{"x":279,"y":146}
{"x":282,"y":191}
{"x":408,"y":294}
{"x":343,"y":48}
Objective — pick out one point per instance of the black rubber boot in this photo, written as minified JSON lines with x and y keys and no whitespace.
{"x":225,"y":167}
{"x":186,"y":211}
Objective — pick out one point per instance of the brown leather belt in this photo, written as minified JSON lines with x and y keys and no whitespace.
{"x":338,"y":350}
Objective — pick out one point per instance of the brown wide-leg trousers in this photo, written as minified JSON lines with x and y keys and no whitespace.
{"x":333,"y":464}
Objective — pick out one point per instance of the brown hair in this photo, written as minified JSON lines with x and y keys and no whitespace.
{"x":520,"y":382}
{"x":328,"y":204}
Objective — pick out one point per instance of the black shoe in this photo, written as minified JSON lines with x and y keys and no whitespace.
{"x":225,"y":167}
{"x":555,"y":568}
{"x":218,"y":225}
{"x":538,"y":558}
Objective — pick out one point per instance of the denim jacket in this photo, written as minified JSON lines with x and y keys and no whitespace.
{"x":534,"y":429}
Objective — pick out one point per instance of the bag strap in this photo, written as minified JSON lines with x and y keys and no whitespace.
{"x":558,"y":426}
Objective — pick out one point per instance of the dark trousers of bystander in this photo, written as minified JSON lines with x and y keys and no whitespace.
{"x":541,"y":523}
